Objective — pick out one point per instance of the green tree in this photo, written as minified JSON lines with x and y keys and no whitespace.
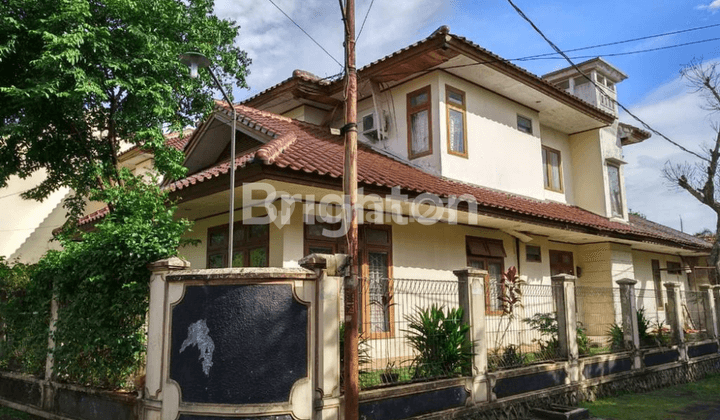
{"x":79,"y":76}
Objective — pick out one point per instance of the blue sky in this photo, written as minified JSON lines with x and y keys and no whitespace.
{"x":652,"y":90}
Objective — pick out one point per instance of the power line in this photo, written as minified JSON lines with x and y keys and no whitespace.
{"x":559,"y":51}
{"x":305,"y":32}
{"x":364,"y":20}
{"x":622,"y":53}
{"x":642,"y":38}
{"x":530,"y":58}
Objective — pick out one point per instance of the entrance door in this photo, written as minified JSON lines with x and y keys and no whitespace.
{"x":561,"y":262}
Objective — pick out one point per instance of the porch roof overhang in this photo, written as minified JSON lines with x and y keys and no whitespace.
{"x":210,"y":199}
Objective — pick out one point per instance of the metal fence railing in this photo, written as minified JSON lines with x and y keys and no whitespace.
{"x":653,"y":328}
{"x":524,"y":333}
{"x":694,"y":315}
{"x":598,"y":310}
{"x":410,"y":329}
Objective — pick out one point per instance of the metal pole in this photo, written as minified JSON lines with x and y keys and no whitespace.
{"x":231,"y":218}
{"x":350,"y":185}
{"x":231,"y":238}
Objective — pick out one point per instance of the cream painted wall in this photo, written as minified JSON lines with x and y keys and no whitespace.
{"x":499,"y":155}
{"x":307,"y":113}
{"x":588,"y":172}
{"x":26,"y":225}
{"x":560,"y":142}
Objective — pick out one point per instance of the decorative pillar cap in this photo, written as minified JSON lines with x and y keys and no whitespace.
{"x":169,"y":264}
{"x":705,"y":287}
{"x":333,"y":263}
{"x":470,"y":272}
{"x":626,"y":282}
{"x":715,"y":286}
{"x":563,"y":278}
{"x":672,"y":285}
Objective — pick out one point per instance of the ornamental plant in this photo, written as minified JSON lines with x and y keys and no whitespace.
{"x":440,"y":340}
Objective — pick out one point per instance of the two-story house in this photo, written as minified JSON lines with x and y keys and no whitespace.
{"x":464,"y":159}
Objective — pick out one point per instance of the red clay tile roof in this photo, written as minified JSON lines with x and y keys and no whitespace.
{"x":176,"y":140}
{"x":668,"y":232}
{"x":304,"y":147}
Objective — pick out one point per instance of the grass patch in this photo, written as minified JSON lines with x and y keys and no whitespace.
{"x":372,"y":378}
{"x":10,"y":414}
{"x":689,"y":401}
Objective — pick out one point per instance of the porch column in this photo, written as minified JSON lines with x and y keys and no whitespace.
{"x":631,"y":332}
{"x":471,"y":294}
{"x":329,"y":270}
{"x":710,"y":317}
{"x":674,"y":316}
{"x":156,"y":325}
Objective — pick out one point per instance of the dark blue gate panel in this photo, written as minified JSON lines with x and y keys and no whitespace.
{"x":655,"y":359}
{"x":414,"y":405}
{"x":91,"y":406}
{"x":609,"y":367}
{"x":238,"y":344}
{"x":702,"y":350}
{"x":19,"y":391}
{"x":506,"y":387}
{"x":281,"y":417}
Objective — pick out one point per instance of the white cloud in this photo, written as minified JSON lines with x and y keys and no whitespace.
{"x":714,"y":6}
{"x":277,"y":46}
{"x":674,"y":111}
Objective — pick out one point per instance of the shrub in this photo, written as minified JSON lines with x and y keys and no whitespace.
{"x":547,"y":324}
{"x":24,"y":317}
{"x":440,"y":341}
{"x":645,"y":326}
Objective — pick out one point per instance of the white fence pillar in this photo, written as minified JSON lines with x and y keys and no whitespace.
{"x":471,"y":294}
{"x":675,"y":317}
{"x":631,"y":332}
{"x":563,"y":289}
{"x":50,"y":358}
{"x":156,"y":323}
{"x":710,"y":317}
{"x":328,"y":268}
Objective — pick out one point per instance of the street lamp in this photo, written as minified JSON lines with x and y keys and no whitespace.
{"x":195,"y":60}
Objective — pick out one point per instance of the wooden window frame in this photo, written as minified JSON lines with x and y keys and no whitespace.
{"x":539,"y":260}
{"x":486,"y":262}
{"x":487,"y":259}
{"x":245,"y":244}
{"x":463,"y":110}
{"x":414,"y":110}
{"x":364,"y":249}
{"x":547,"y":167}
{"x":657,"y":284}
{"x":522,"y":130}
{"x":677,"y":269}
{"x":620,"y":192}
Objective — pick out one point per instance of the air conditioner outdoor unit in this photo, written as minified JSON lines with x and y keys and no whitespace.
{"x":370,"y":127}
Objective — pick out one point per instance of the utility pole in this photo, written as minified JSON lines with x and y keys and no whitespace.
{"x":352,"y":388}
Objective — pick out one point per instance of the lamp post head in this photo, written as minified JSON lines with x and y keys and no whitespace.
{"x":194,"y":60}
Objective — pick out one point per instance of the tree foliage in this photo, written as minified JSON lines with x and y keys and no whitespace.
{"x":79,"y":76}
{"x":701,"y":178}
